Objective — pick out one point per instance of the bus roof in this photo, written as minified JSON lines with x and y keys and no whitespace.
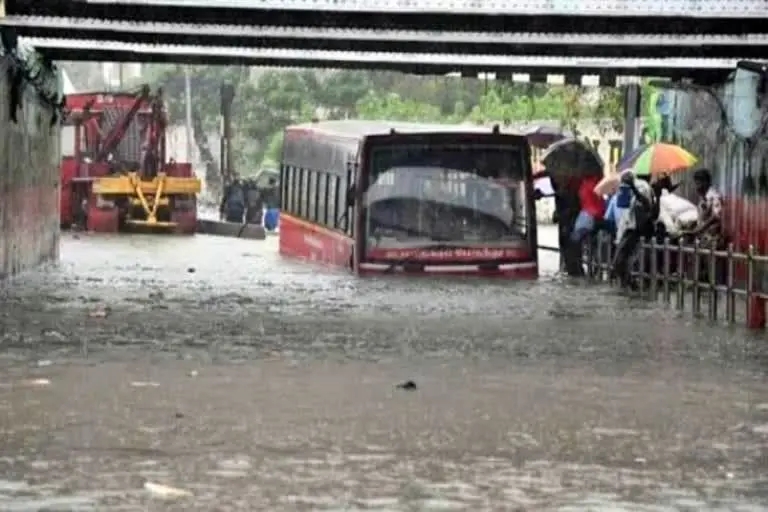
{"x":357,"y":129}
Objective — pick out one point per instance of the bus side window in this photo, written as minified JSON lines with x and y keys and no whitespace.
{"x":341,"y":205}
{"x":294,"y":174}
{"x":333,"y":200}
{"x":322,"y":190}
{"x":300,"y":196}
{"x":286,"y":183}
{"x":311,"y":195}
{"x":352,"y":173}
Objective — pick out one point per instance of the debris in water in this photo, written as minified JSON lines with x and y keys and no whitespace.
{"x":56,"y":335}
{"x":179,"y":415}
{"x":36,"y":382}
{"x":193,"y":373}
{"x":158,"y":295}
{"x":145,"y":384}
{"x":408,"y":385}
{"x":191,"y":270}
{"x":99,"y":313}
{"x":165,"y":491}
{"x":44,"y":362}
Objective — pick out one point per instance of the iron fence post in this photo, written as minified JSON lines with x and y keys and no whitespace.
{"x":680,"y":278}
{"x":641,"y":266}
{"x":696,"y":285}
{"x":750,"y":284}
{"x":730,"y":295}
{"x":653,"y":271}
{"x":667,"y":264}
{"x":713,"y":291}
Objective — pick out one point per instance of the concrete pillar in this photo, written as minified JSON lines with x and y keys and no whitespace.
{"x":29,"y":179}
{"x":632,"y":107}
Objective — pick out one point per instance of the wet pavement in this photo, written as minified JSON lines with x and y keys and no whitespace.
{"x":253,"y":383}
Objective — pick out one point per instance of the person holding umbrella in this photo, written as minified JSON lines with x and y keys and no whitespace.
{"x":653,"y":162}
{"x":568,"y":163}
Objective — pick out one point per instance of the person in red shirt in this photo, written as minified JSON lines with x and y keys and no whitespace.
{"x":592,"y":209}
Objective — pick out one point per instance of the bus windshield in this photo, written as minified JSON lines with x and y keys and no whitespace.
{"x":453,"y":195}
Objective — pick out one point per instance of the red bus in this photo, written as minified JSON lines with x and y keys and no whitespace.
{"x":381,"y":197}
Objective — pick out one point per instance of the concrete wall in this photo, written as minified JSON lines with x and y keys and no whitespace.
{"x":29,"y":175}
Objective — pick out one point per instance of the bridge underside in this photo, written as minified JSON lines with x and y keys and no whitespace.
{"x":553,"y":23}
{"x":583,"y":44}
{"x":574,"y":70}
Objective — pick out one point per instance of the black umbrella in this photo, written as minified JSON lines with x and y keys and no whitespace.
{"x":542,"y":136}
{"x":572,"y":158}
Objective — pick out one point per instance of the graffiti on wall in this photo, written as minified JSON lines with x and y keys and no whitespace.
{"x":703,"y":122}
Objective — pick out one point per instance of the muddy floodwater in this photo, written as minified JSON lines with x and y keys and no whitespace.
{"x":208,"y":374}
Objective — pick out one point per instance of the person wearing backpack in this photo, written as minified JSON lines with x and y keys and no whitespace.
{"x":636,"y":223}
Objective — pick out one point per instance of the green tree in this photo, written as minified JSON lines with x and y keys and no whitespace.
{"x":273,"y":151}
{"x":392,"y":107}
{"x":340,"y":92}
{"x":266,"y":101}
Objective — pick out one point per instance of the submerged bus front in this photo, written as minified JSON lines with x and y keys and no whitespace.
{"x":452,"y":203}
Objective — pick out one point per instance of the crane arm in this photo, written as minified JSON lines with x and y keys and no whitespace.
{"x":115,"y":135}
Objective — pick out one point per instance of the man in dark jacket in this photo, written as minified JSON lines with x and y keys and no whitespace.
{"x":233,"y":202}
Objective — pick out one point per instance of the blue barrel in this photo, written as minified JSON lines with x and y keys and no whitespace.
{"x":271,"y":219}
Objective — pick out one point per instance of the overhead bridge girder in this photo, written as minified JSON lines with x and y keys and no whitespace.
{"x":564,"y":16}
{"x":652,"y":8}
{"x":704,"y":70}
{"x":753,"y":46}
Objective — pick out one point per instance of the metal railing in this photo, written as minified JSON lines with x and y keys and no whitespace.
{"x":689,"y":276}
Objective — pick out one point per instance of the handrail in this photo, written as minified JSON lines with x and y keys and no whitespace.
{"x":691,"y":274}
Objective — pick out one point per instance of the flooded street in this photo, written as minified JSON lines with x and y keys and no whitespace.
{"x":252,"y":383}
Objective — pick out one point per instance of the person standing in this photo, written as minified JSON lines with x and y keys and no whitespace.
{"x":233,"y":202}
{"x":709,"y":226}
{"x":567,"y":211}
{"x":637,"y":222}
{"x":591,"y":210}
{"x":254,"y":198}
{"x":272,"y":205}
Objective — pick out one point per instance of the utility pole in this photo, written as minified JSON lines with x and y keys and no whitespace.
{"x":632,"y":111}
{"x":120,"y":75}
{"x":225,"y":155}
{"x":188,"y":107}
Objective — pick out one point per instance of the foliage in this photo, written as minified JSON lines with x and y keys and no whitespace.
{"x":274,"y":148}
{"x":266,"y":101}
{"x":392,"y":107}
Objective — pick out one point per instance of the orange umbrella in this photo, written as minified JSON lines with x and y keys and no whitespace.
{"x":658,"y":158}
